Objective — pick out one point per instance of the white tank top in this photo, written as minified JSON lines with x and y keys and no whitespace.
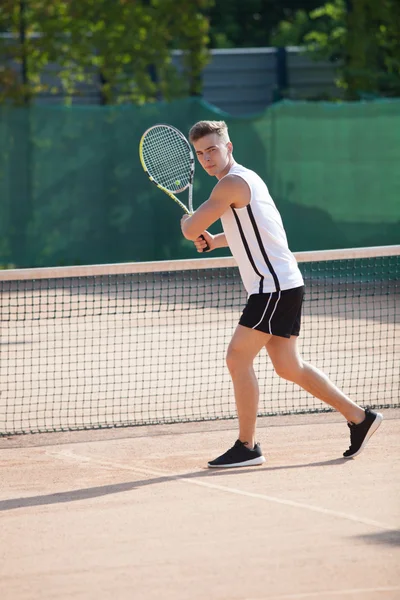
{"x":258,"y":242}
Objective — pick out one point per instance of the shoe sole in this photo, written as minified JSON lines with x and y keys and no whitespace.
{"x":375,"y":425}
{"x":247,"y":463}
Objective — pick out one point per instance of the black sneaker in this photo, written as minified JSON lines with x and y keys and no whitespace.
{"x":239,"y":456}
{"x":360,"y":434}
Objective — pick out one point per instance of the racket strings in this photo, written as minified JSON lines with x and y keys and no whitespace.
{"x":167,"y":158}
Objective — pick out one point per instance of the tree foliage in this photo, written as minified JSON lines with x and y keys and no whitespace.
{"x":121,"y":47}
{"x":250,"y":23}
{"x":362,"y":36}
{"x":293,"y":30}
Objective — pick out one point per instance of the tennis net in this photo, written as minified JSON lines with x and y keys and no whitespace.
{"x":145,"y":343}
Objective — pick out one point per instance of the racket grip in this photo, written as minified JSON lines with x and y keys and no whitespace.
{"x":207,"y":247}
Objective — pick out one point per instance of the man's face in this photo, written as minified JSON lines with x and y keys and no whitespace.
{"x":213,"y":153}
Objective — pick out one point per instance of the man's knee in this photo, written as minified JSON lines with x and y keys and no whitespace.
{"x":235,"y":359}
{"x":291,"y":371}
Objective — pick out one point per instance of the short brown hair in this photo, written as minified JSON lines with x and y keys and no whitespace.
{"x":203,"y":128}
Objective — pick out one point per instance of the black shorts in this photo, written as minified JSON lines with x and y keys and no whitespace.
{"x":278,"y":313}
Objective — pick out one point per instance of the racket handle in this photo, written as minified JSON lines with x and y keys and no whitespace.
{"x":207,"y":247}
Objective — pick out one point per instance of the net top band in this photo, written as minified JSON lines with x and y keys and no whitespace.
{"x":186,"y":264}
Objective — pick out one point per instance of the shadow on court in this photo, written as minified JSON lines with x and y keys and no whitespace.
{"x":386,"y":538}
{"x":105,"y":490}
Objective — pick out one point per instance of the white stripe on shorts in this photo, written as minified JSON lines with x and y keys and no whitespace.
{"x":276,"y":304}
{"x":263,"y":315}
{"x":265,"y":310}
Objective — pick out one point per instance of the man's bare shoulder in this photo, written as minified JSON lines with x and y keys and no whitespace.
{"x":232,"y":182}
{"x":236,"y":188}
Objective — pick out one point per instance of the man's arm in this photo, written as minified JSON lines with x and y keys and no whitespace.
{"x":212,"y":241}
{"x":230,"y":191}
{"x":219,"y":241}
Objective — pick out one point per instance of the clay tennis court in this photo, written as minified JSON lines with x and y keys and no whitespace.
{"x":133,"y":512}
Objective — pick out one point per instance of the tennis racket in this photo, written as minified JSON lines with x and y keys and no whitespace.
{"x":168,"y":161}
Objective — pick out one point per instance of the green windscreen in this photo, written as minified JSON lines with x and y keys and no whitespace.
{"x":72,"y":190}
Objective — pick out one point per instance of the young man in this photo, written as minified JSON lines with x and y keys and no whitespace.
{"x":254,"y":232}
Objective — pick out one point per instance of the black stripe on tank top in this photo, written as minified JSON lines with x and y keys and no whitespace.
{"x":246,"y":247}
{"x":263,"y":252}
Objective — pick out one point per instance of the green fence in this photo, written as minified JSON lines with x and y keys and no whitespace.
{"x":72,"y":190}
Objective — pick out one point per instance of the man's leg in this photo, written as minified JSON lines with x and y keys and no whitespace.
{"x":245,"y":345}
{"x":288,"y":364}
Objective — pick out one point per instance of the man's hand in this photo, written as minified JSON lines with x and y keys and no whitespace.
{"x":204,"y":240}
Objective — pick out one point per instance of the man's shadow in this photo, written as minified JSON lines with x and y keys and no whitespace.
{"x":105,"y":490}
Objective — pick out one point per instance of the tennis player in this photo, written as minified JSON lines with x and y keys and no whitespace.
{"x":253,"y":230}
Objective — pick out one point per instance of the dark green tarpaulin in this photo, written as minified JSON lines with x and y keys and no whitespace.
{"x":72,"y":190}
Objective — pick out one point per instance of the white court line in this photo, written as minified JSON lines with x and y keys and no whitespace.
{"x":68,"y":454}
{"x":305,"y":596}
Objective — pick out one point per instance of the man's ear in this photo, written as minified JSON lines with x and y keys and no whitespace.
{"x":230,"y":147}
